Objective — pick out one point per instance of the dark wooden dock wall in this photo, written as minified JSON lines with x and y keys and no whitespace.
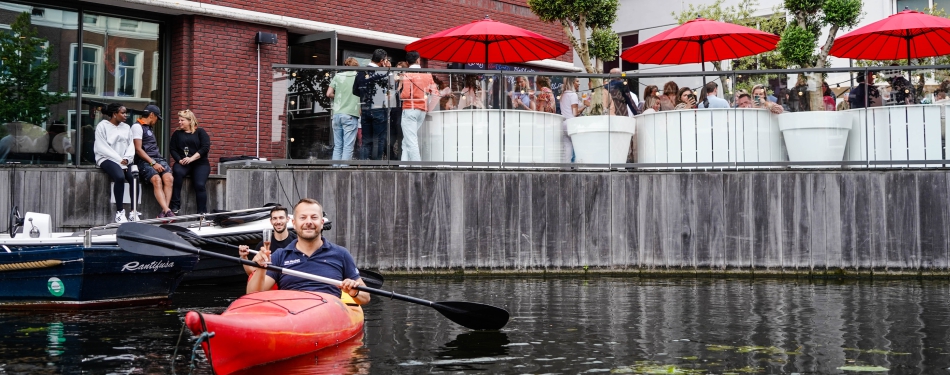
{"x":781,"y":221}
{"x":78,"y":198}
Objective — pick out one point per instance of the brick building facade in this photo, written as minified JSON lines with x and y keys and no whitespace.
{"x":212,"y":60}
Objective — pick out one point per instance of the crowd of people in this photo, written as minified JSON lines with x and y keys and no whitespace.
{"x":118,"y":147}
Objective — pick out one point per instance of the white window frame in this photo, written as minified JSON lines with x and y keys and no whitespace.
{"x":154,"y":77}
{"x":100,"y":80}
{"x":137,"y":78}
{"x":895,"y":10}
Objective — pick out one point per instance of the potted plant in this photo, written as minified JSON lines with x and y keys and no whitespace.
{"x":798,"y":45}
{"x":594,"y":43}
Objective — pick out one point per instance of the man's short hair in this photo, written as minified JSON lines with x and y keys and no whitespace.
{"x":308,"y":201}
{"x":379,"y":54}
{"x":412,"y":57}
{"x":744,"y":95}
{"x":711,"y":86}
{"x":278,"y":208}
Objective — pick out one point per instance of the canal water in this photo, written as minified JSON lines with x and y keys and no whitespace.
{"x":558,"y":326}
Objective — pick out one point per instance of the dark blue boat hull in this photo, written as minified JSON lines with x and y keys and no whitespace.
{"x":88,"y":277}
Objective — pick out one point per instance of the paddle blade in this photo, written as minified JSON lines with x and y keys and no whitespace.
{"x":473,"y":315}
{"x":372,"y":279}
{"x":151,"y":240}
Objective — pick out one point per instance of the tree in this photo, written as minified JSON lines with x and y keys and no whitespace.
{"x":26,"y":64}
{"x":800,"y":39}
{"x":596,"y":41}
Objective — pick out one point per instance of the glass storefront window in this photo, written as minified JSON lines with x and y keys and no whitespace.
{"x":116,"y":60}
{"x":35,"y":116}
{"x":116,"y":70}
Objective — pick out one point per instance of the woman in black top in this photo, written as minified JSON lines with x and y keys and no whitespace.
{"x":189,"y":147}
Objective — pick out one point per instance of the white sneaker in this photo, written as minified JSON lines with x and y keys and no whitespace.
{"x":134,"y":216}
{"x":120,"y":217}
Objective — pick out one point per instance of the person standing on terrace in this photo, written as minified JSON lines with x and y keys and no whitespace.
{"x":346,"y":111}
{"x":685,"y":99}
{"x":545,"y":98}
{"x":521,"y":98}
{"x":473,"y":97}
{"x":415,"y":86}
{"x":712,"y":99}
{"x":668,"y":100}
{"x":629,"y":97}
{"x":373,"y":90}
{"x":760,"y":100}
{"x":864,"y":94}
{"x":648,"y":91}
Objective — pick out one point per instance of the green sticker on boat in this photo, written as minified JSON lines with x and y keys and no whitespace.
{"x":56,"y":286}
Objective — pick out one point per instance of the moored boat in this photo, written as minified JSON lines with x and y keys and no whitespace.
{"x":270,"y":326}
{"x":79,"y":277}
{"x":239,"y":227}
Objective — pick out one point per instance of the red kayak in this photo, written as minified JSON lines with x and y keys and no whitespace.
{"x":270,"y":326}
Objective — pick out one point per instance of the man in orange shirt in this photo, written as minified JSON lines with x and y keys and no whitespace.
{"x":415,"y":86}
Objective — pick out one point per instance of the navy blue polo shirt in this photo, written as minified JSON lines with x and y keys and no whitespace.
{"x":329,"y":260}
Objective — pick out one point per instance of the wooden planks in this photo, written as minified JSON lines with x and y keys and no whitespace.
{"x":527,"y":220}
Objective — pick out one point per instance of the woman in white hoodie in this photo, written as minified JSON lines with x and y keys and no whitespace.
{"x":114,"y":152}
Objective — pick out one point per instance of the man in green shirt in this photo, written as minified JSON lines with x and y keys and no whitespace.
{"x":346,"y":112}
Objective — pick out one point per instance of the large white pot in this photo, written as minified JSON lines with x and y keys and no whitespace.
{"x":601,"y":139}
{"x":815,"y":136}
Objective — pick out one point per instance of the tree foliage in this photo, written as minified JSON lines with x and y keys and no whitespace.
{"x":800,"y":38}
{"x":742,"y":14}
{"x":26,"y":64}
{"x":596,"y":41}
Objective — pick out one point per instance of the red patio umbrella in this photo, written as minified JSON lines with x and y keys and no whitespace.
{"x":487,"y":41}
{"x":699,"y":41}
{"x":905,"y":35}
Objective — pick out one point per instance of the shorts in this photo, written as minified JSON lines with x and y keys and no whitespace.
{"x":146,"y":171}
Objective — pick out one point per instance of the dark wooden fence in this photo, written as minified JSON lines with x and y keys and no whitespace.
{"x":791,"y":222}
{"x":78,"y":197}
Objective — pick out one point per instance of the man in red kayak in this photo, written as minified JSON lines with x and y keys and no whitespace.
{"x":310,"y":253}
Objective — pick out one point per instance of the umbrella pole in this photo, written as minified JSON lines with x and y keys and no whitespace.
{"x":910,"y":76}
{"x":702,"y":61}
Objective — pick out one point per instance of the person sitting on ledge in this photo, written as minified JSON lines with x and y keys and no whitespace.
{"x":153,"y":167}
{"x":310,"y":253}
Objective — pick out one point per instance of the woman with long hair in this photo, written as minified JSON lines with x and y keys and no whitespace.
{"x":668,"y":100}
{"x":114,"y":152}
{"x":685,"y":99}
{"x":473,"y":97}
{"x":189,"y":146}
{"x":650,"y":90}
{"x":545,"y":98}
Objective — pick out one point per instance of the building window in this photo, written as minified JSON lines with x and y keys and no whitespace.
{"x":91,"y":65}
{"x":921,"y":5}
{"x":128,"y":72}
{"x":626,"y":41}
{"x":128,"y":25}
{"x":90,"y":19}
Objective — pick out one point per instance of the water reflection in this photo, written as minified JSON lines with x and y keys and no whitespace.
{"x":349,"y":357}
{"x":571,"y":325}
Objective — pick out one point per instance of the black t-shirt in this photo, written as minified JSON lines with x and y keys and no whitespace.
{"x":275,"y":244}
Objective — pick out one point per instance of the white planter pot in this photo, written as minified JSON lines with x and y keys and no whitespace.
{"x":601,"y":139}
{"x":815,"y":136}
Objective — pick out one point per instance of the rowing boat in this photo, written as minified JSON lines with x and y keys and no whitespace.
{"x":274,"y":325}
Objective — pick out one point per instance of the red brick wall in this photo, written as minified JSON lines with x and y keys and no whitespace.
{"x":416,"y":18}
{"x":214,"y":73}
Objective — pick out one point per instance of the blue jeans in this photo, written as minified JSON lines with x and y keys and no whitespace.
{"x":411,"y":122}
{"x":375,"y":129}
{"x":344,"y":136}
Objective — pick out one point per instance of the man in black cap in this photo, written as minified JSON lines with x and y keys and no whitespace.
{"x":152,"y":167}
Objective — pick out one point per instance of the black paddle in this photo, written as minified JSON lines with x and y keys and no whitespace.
{"x":151,"y":240}
{"x":372,"y":279}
